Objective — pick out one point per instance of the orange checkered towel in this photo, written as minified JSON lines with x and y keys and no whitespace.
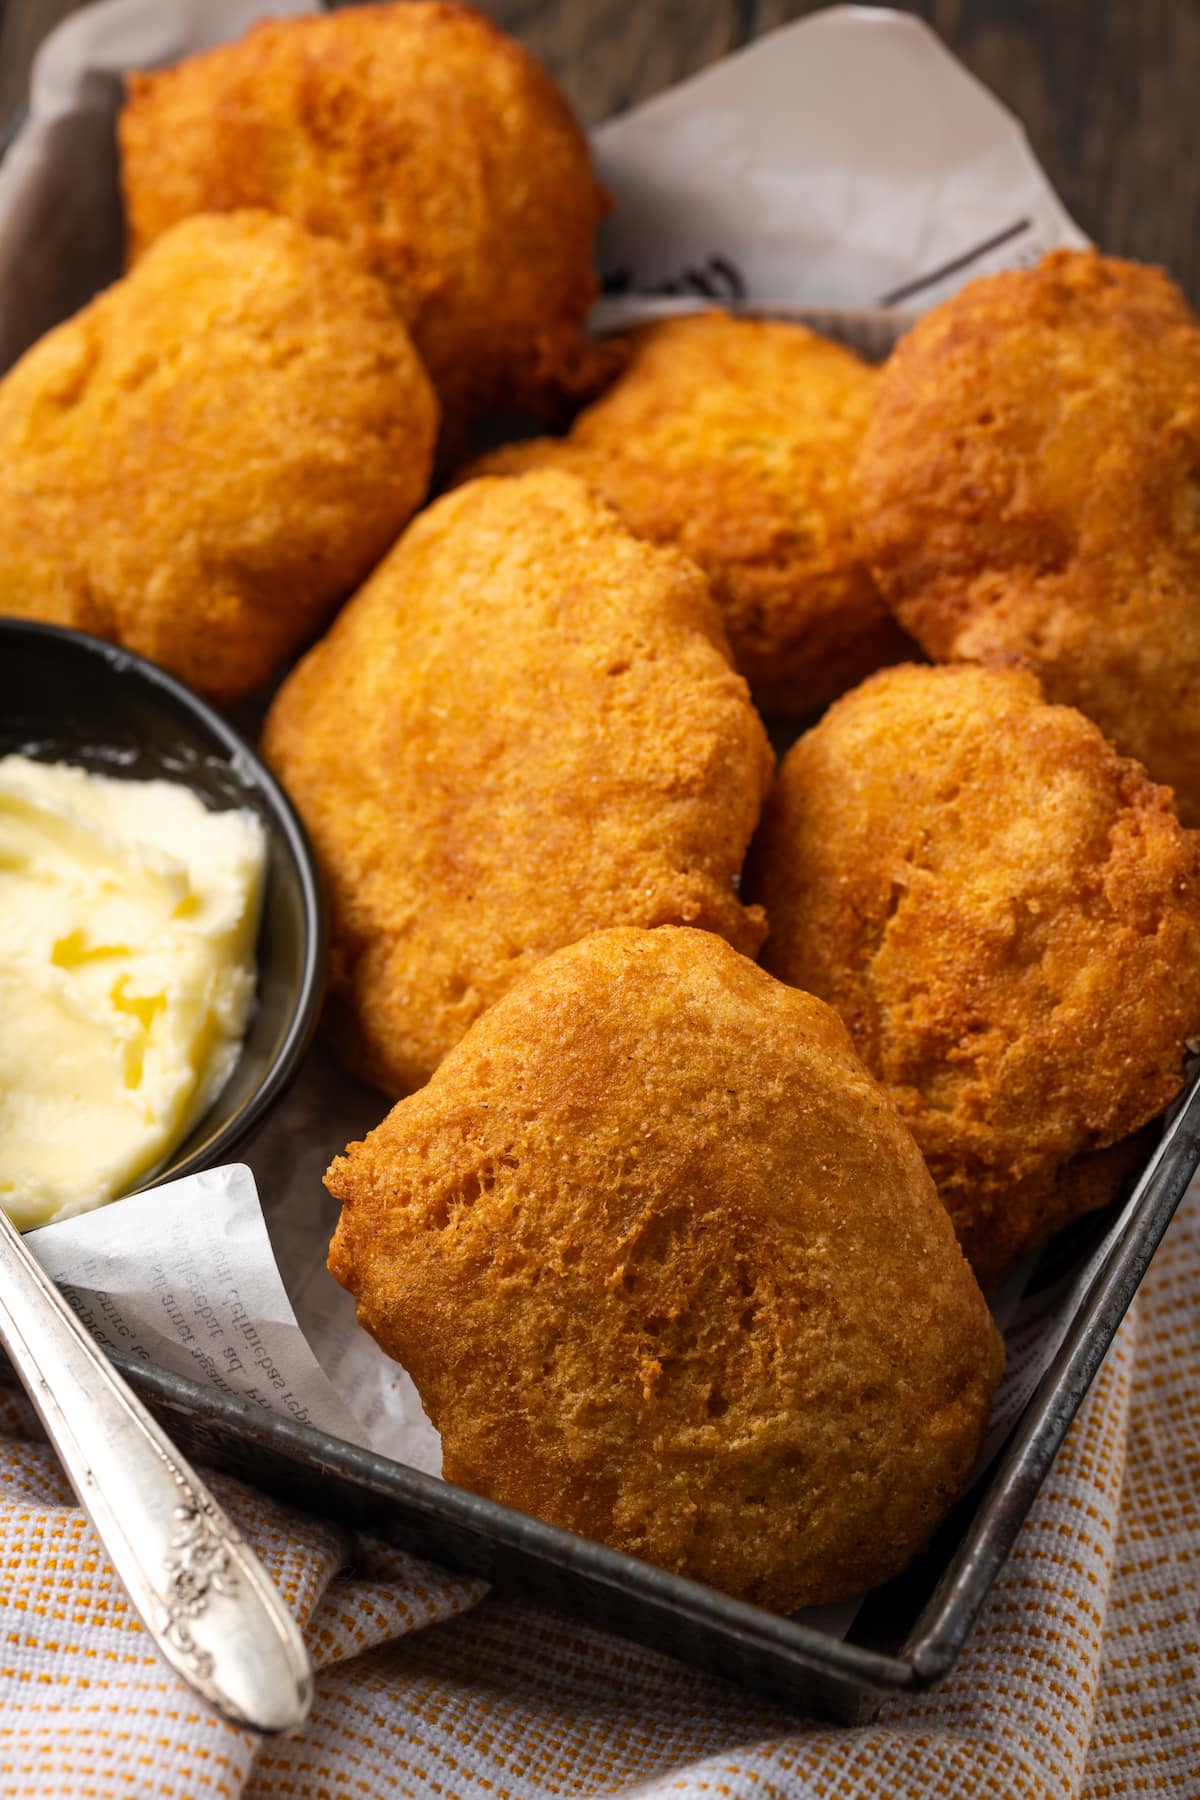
{"x":1081,"y":1679}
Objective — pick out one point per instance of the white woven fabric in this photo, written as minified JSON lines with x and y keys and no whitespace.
{"x":1082,"y":1679}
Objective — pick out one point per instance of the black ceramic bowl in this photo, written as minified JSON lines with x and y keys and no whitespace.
{"x":65,"y":697}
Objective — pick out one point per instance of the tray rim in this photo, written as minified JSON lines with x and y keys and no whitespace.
{"x":945,"y":1622}
{"x":1105,"y":1296}
{"x":794,"y":1647}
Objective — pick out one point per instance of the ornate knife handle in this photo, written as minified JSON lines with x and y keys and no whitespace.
{"x":200,"y":1591}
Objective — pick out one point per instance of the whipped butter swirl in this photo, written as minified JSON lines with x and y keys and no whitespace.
{"x":128,"y":919}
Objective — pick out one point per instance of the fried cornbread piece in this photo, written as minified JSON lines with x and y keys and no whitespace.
{"x":668,"y":1270}
{"x":525,"y":727}
{"x":734,"y":439}
{"x":434,"y":145}
{"x":213,"y":453}
{"x":1029,"y":490}
{"x":1007,"y":916}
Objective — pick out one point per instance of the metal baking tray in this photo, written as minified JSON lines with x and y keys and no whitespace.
{"x":909,"y":1633}
{"x":906,"y":1636}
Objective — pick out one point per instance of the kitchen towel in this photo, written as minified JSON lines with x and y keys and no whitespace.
{"x":1082,"y":1677}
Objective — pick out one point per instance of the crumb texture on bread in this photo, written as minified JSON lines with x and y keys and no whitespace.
{"x":1006,"y":913}
{"x":522,"y":729}
{"x":1029,"y":494}
{"x":427,"y":140}
{"x":668,"y":1270}
{"x":734,"y":440}
{"x":214,"y":452}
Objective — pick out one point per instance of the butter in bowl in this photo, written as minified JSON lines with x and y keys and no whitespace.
{"x":161,"y":928}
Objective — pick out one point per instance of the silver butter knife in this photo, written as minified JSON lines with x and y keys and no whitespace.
{"x":200,"y":1591}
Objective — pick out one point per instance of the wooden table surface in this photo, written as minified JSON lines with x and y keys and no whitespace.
{"x":1107,"y":89}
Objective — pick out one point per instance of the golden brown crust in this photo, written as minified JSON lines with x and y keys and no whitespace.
{"x":175,"y":475}
{"x":434,"y":145}
{"x":733,"y":439}
{"x":668,"y":1270}
{"x":1007,"y":916}
{"x":1030,"y":494}
{"x":524,"y":728}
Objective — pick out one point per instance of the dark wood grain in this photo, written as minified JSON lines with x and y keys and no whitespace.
{"x":1107,"y":92}
{"x":1107,"y":89}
